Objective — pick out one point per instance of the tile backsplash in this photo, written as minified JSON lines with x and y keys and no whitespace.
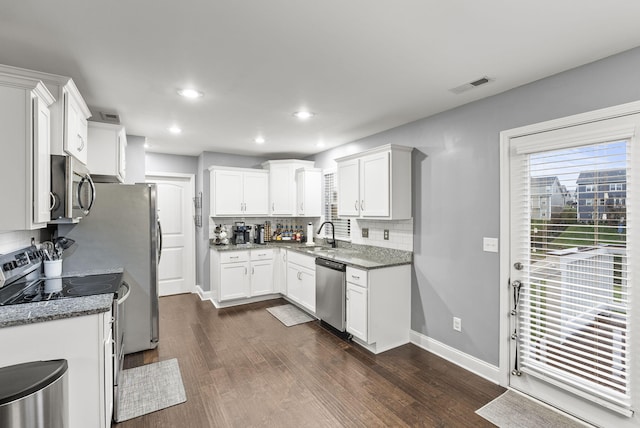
{"x":400,"y":233}
{"x":16,"y":239}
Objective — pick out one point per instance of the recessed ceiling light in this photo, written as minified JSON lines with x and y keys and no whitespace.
{"x":320,"y":144}
{"x":259,"y":140}
{"x":175,"y":130}
{"x":303,"y":114}
{"x":146,"y":145}
{"x":190,"y":93}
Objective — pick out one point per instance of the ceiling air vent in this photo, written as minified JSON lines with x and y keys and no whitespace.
{"x":109,"y":117}
{"x":467,"y":86}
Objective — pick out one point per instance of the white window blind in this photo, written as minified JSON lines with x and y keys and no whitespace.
{"x":343,"y":226}
{"x":574,"y":302}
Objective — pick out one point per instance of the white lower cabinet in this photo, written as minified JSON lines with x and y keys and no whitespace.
{"x":280,"y":271}
{"x":301,"y":280}
{"x":357,"y":310}
{"x":242,"y":274}
{"x":378,"y":307}
{"x":84,"y":342}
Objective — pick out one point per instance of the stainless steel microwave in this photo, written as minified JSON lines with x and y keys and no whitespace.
{"x":72,"y":190}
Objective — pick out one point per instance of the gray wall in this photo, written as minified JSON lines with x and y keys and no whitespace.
{"x":135,"y":159}
{"x":456,"y":193}
{"x":205,"y":160}
{"x":160,"y":162}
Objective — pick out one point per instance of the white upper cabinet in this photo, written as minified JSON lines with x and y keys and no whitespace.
{"x":375,"y":184}
{"x":76,"y":113}
{"x":69,"y":112}
{"x":308,"y":199}
{"x":25,"y":121}
{"x":238,"y":192}
{"x":106,"y":159}
{"x":282,"y":185}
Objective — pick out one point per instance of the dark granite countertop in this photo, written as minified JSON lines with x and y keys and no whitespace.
{"x":30,"y":313}
{"x":359,"y":256}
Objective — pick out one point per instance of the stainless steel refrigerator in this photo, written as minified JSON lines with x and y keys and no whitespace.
{"x":123,"y":231}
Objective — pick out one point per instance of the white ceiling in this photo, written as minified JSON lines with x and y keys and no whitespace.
{"x":363,"y":66}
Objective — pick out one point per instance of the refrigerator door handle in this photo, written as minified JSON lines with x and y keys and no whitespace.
{"x":160,"y":238}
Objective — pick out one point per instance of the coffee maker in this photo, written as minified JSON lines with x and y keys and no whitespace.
{"x":240,"y":234}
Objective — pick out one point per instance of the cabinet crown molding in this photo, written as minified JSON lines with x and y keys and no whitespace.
{"x":385,"y":148}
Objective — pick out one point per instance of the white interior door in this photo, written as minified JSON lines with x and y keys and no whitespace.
{"x":176,"y":273}
{"x":571,"y":232}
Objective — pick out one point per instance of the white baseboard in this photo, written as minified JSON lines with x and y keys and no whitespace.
{"x":204,"y":295}
{"x":466,"y":361}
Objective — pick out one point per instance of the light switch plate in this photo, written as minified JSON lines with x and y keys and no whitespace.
{"x":365,"y":232}
{"x":490,"y":245}
{"x":386,"y":234}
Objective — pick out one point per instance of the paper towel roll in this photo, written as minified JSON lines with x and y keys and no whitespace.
{"x":310,"y":234}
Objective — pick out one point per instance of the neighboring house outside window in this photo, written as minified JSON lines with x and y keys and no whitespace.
{"x":602,"y":195}
{"x":547,"y":197}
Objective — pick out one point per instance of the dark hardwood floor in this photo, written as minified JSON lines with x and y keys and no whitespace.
{"x":242,"y":368}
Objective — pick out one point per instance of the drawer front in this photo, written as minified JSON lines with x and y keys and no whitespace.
{"x":302,"y":260}
{"x":234,"y":256}
{"x":266,"y":254}
{"x":357,"y":276}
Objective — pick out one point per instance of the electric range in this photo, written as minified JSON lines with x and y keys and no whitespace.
{"x":21,"y":282}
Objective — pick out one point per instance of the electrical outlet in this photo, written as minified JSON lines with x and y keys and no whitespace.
{"x":386,"y":234}
{"x":457,"y":324}
{"x":365,"y":232}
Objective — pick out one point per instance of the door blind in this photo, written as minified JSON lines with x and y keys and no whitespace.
{"x":343,"y":226}
{"x":574,"y":299}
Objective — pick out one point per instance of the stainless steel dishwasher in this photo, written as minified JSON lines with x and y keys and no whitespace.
{"x":330,"y":292}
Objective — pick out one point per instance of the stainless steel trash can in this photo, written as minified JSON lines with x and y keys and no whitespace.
{"x":34,"y":395}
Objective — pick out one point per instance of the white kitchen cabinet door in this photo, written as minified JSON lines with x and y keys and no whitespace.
{"x":256,"y":193}
{"x":309,"y":199}
{"x":374,"y":185}
{"x":308,"y":292}
{"x":301,"y":286}
{"x":261,"y":277}
{"x":107,"y":155}
{"x":282,"y":198}
{"x":75,"y":129}
{"x":25,"y":145}
{"x":235,"y":281}
{"x":41,"y":161}
{"x":280,"y":271}
{"x":349,"y":188}
{"x":357,"y":311}
{"x":122,"y":153}
{"x":226,"y":193}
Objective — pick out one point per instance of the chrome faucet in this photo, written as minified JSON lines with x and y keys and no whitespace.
{"x":333,"y":233}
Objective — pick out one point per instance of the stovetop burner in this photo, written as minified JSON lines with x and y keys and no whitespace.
{"x":46,"y":289}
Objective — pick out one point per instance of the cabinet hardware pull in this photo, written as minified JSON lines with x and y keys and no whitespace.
{"x":81,"y":143}
{"x":53,"y":201}
{"x":273,"y":206}
{"x":299,"y":278}
{"x":234,"y":257}
{"x":262,"y":254}
{"x":355,"y":277}
{"x":253,"y":270}
{"x":245,"y":270}
{"x":356,"y":205}
{"x":362,"y":205}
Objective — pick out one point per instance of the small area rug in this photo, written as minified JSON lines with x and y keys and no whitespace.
{"x":513,"y":410}
{"x":149,"y":388}
{"x":289,"y":315}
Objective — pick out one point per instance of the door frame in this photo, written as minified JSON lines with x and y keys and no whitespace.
{"x":191,"y":250}
{"x":505,"y":209}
